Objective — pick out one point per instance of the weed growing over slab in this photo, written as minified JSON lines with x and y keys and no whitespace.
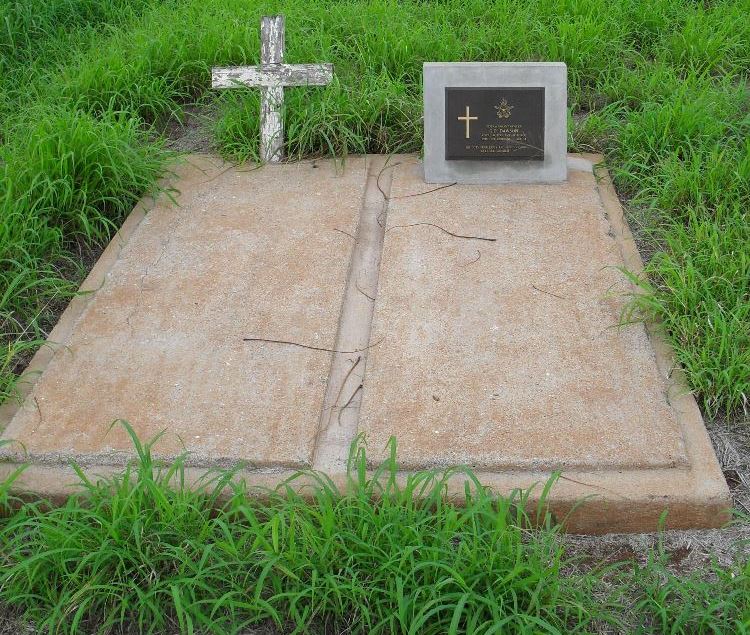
{"x":379,"y":555}
{"x":156,"y":549}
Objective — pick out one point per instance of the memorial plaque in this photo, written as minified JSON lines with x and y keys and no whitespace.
{"x":494,"y":123}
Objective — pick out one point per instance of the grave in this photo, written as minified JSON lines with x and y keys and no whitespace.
{"x":276,"y":312}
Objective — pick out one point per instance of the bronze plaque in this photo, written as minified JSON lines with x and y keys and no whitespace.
{"x":503,"y":124}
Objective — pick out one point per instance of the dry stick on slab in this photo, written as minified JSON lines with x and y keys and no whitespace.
{"x":435,"y":189}
{"x":383,"y":169}
{"x":311,"y":348}
{"x":341,"y":231}
{"x":346,"y":378}
{"x":471,"y":262}
{"x":346,"y":405}
{"x":442,"y":229}
{"x":533,"y":286}
{"x":390,"y":198}
{"x":225,"y":170}
{"x":369,"y":297}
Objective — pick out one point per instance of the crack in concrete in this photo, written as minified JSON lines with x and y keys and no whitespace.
{"x":162,"y":251}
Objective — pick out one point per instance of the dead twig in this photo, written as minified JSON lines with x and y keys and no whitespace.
{"x":341,"y":231}
{"x":377,"y":180}
{"x":393,"y":198}
{"x":311,"y":348}
{"x":225,"y":170}
{"x":442,"y":229}
{"x":346,"y":405}
{"x":435,"y":189}
{"x":346,"y":378}
{"x":533,"y":286}
{"x":471,"y":262}
{"x":383,"y":169}
{"x":368,"y":296}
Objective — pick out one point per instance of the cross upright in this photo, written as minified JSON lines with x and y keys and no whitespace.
{"x":271,"y":76}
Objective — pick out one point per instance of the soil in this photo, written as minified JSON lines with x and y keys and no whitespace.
{"x":685,"y":552}
{"x":191,"y":133}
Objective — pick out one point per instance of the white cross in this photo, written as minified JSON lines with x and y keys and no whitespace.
{"x":272,"y":75}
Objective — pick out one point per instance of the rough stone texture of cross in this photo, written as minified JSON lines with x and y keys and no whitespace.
{"x":271,"y":76}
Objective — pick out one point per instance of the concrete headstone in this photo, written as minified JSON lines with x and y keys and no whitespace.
{"x":491,"y":122}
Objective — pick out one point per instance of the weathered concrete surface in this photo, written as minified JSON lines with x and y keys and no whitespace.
{"x":507,"y":354}
{"x":160,"y":344}
{"x":340,"y":415}
{"x":501,"y":354}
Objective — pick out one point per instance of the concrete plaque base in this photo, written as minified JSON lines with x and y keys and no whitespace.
{"x":481,"y":142}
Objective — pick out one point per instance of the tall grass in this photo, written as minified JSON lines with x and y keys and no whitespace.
{"x":26,"y":23}
{"x":659,"y":86}
{"x":38,"y":35}
{"x":143,"y":549}
{"x":67,"y":178}
{"x":148,"y":551}
{"x":78,"y":178}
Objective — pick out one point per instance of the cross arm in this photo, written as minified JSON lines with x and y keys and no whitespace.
{"x":272,"y":75}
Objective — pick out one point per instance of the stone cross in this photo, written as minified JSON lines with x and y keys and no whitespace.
{"x":272,"y":75}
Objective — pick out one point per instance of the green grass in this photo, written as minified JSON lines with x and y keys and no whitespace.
{"x":145,"y":551}
{"x":714,"y":602}
{"x":67,"y":178}
{"x":659,"y":86}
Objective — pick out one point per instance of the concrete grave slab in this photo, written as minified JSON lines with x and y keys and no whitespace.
{"x":499,"y":348}
{"x":160,"y":342}
{"x":507,"y":354}
{"x":476,"y":324}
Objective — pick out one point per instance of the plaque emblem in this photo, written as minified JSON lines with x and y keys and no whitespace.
{"x":503,"y":109}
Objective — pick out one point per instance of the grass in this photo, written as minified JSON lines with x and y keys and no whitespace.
{"x":67,"y":178}
{"x":660,"y":87}
{"x":86,"y":86}
{"x":146,"y":551}
{"x":715,"y":603}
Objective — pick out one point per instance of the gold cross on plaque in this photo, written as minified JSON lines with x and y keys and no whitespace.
{"x":468,"y":119}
